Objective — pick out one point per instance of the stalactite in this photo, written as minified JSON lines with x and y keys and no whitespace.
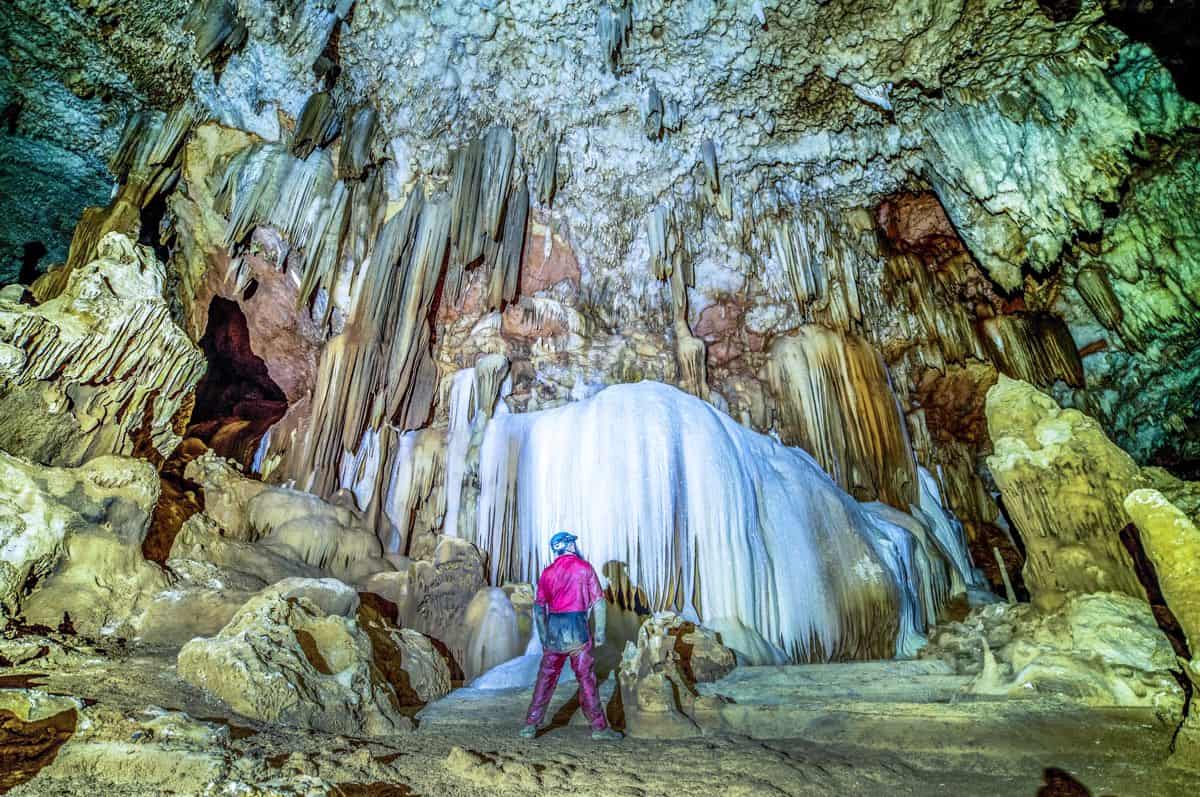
{"x":489,"y":215}
{"x":379,"y":370}
{"x":834,"y":399}
{"x":820,"y":267}
{"x":652,"y":114}
{"x":327,"y":220}
{"x":614,"y":21}
{"x":490,"y":372}
{"x":145,"y":164}
{"x":703,"y":513}
{"x":669,"y":261}
{"x":547,"y":175}
{"x":357,"y":149}
{"x":318,"y":124}
{"x":1035,"y":347}
{"x":217,"y":29}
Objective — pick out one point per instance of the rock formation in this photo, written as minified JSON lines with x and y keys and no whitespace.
{"x":99,"y":369}
{"x":293,"y":655}
{"x":318,"y":319}
{"x":659,"y":673}
{"x":1064,"y":485}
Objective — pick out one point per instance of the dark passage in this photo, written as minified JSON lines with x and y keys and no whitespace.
{"x":236,"y":401}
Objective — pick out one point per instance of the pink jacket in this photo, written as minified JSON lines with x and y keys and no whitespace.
{"x":569,"y":584}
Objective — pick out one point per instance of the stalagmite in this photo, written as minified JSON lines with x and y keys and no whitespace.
{"x":1063,"y":484}
{"x":834,"y":399}
{"x":707,"y":516}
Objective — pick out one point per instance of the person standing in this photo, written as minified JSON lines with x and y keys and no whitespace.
{"x":568,"y":591}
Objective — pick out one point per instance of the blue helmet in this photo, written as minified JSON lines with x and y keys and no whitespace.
{"x":562,"y":541}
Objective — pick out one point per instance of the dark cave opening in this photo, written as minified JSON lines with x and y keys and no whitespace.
{"x":236,"y":400}
{"x":235,"y":403}
{"x":1171,"y":28}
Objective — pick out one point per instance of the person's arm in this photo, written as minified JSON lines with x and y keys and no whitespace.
{"x":600,"y":615}
{"x":541,"y":621}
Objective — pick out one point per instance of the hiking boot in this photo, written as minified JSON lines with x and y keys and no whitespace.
{"x":529,"y":731}
{"x":607,"y":735}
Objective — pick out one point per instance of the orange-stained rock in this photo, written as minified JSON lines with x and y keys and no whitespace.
{"x":523,"y":321}
{"x":540,"y":270}
{"x":916,"y":223}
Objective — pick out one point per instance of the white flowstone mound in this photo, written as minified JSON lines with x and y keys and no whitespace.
{"x":294,"y":655}
{"x":708,"y":516}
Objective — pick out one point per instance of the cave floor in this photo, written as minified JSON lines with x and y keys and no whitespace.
{"x":866,"y":740}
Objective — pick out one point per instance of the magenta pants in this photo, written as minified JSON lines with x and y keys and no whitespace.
{"x":589,"y":696}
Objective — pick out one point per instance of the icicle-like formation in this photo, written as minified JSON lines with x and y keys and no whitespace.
{"x":669,"y":260}
{"x":613,"y":23}
{"x":490,"y":372}
{"x":151,"y":140}
{"x":327,"y":219}
{"x":379,"y":370}
{"x":948,"y":534}
{"x":652,"y":114}
{"x":489,"y":213}
{"x":145,"y":164}
{"x":317,"y":126}
{"x":413,"y":503}
{"x":706,"y":516}
{"x":547,"y":175}
{"x":357,"y":149}
{"x":834,"y":399}
{"x":217,"y":29}
{"x":820,"y":266}
{"x":1034,"y":347}
{"x":458,"y":441}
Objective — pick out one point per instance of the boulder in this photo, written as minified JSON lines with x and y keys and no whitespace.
{"x":294,"y":655}
{"x":658,"y":675}
{"x":74,"y":535}
{"x":433,"y":597}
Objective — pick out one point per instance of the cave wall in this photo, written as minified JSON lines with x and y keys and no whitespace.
{"x":620,"y":191}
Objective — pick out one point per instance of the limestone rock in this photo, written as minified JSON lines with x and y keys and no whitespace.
{"x":282,"y":523}
{"x":1063,"y":483}
{"x":1172,"y":542}
{"x":293,"y":655}
{"x":434,"y":597}
{"x":1103,"y":649}
{"x":70,"y":542}
{"x":658,"y":676}
{"x":405,"y":658}
{"x":105,"y":370}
